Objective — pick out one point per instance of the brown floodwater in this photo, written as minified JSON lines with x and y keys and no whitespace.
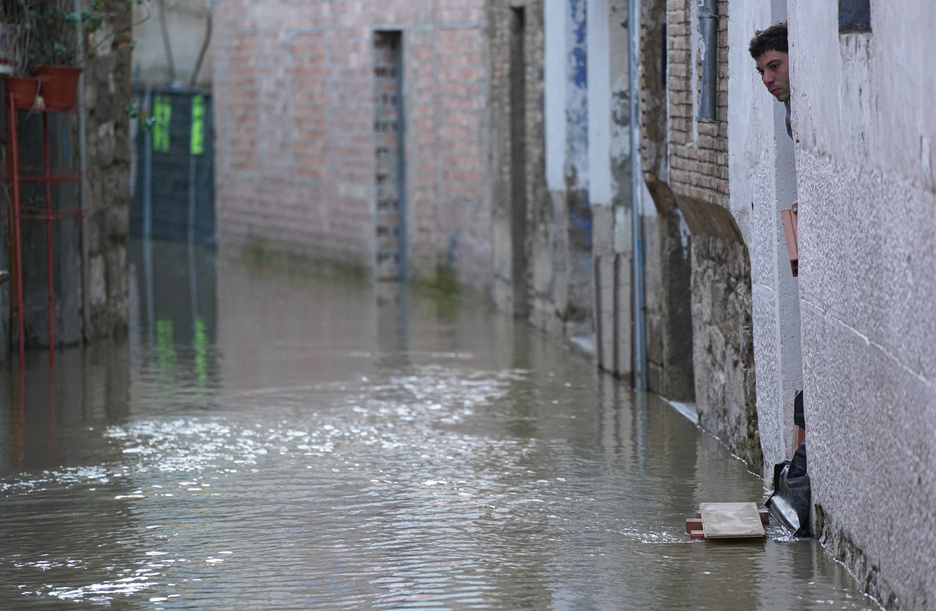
{"x":271,"y":438}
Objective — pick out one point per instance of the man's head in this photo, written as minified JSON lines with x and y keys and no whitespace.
{"x":769,"y":49}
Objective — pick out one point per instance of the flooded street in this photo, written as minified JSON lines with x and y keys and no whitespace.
{"x":271,"y":438}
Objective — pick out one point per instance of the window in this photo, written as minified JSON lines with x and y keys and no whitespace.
{"x":854,"y":16}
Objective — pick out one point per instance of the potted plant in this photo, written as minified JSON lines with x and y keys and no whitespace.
{"x":15,"y":31}
{"x":44,"y":41}
{"x":53,"y":49}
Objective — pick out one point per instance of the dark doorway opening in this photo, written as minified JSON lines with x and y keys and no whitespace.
{"x":518,"y":161}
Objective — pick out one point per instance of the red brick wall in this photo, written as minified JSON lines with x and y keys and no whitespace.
{"x":698,"y":163}
{"x":295,"y":148}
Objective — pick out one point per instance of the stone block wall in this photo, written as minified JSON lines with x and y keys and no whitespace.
{"x":89,"y":261}
{"x":721,"y":278}
{"x":295,"y":115}
{"x":107,"y":93}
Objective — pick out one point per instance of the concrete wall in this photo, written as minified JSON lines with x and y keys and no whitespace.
{"x":295,"y":116}
{"x":515,"y":67}
{"x":561,"y":297}
{"x":864,"y":123}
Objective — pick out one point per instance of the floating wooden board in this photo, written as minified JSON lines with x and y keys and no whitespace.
{"x":731,"y":521}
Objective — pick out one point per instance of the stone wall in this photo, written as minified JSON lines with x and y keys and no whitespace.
{"x":89,"y":263}
{"x":723,"y":344}
{"x":107,"y":93}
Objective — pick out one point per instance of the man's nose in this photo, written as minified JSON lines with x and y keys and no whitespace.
{"x":767,"y":77}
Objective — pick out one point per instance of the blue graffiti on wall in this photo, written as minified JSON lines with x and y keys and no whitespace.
{"x":577,"y":115}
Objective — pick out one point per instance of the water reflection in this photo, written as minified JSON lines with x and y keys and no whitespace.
{"x":278,"y":439}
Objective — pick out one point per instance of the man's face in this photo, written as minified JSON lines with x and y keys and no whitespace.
{"x":775,"y":73}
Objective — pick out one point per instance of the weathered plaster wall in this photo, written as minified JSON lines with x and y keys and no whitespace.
{"x":107,"y":173}
{"x":609,"y":184}
{"x":561,"y":228}
{"x":515,"y":67}
{"x":865,"y":127}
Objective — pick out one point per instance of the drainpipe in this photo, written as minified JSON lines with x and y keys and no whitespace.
{"x":148,"y":219}
{"x":708,"y":29}
{"x":636,"y":189}
{"x":148,"y":169}
{"x":84,"y":191}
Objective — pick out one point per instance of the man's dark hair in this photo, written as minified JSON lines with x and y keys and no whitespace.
{"x":773,"y":38}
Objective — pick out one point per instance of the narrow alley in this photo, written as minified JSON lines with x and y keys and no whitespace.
{"x":269,"y":437}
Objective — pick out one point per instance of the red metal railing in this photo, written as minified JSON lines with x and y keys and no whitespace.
{"x":46,"y":175}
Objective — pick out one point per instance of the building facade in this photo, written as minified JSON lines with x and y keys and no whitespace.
{"x":493,"y":143}
{"x":864,"y":127}
{"x":355,"y":133}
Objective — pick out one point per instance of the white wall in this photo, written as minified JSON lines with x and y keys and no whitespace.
{"x":554,"y":77}
{"x":865,"y":117}
{"x":763,"y":182}
{"x":599,"y":104}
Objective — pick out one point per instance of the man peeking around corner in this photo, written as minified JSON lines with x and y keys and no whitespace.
{"x":769,"y":49}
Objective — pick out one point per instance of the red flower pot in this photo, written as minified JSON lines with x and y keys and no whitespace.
{"x":59,"y":86}
{"x":24,"y":90}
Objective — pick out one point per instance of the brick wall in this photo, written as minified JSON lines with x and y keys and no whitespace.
{"x":723,"y":353}
{"x":295,"y":117}
{"x":698,"y":151}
